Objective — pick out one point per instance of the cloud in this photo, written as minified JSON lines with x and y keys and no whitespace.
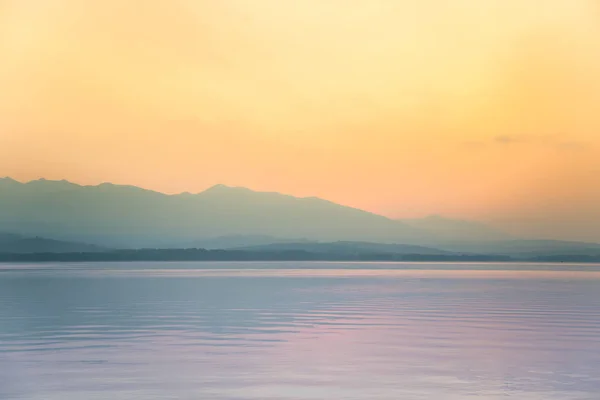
{"x":559,"y":142}
{"x":508,"y":139}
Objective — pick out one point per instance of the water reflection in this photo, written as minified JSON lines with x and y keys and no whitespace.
{"x":129,"y":333}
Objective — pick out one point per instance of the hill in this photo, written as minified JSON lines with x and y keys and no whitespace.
{"x":11,"y":243}
{"x":348,"y":248}
{"x":242,"y":241}
{"x":447,"y":229}
{"x":526,"y":248}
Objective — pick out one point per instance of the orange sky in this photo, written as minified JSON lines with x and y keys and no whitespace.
{"x":471,"y":108}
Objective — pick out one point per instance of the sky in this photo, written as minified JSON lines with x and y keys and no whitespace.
{"x":479,"y":109}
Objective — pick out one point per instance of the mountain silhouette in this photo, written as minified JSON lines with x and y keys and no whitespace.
{"x":224,"y":217}
{"x":348,"y":248}
{"x":128,"y":216}
{"x":525,"y":248}
{"x":457,"y":230}
{"x":13,"y":243}
{"x":45,"y":216}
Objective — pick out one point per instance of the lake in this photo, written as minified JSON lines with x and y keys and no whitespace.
{"x":296,"y":331}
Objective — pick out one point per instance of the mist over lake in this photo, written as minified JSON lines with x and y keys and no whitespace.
{"x":299,"y":331}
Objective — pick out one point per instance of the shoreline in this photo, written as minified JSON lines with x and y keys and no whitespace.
{"x":202,"y":255}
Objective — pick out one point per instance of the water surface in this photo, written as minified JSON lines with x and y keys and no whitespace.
{"x":295,"y":331}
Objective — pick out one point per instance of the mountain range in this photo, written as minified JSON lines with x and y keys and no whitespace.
{"x":128,"y":216}
{"x":223,"y":217}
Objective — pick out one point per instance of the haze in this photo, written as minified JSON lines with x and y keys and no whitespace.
{"x":476,"y":109}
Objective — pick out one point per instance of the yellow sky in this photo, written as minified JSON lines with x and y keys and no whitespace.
{"x":475,"y":108}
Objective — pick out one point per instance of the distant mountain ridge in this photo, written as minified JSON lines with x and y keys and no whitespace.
{"x":457,"y":230}
{"x":349,"y":248}
{"x":526,"y":247}
{"x":30,"y":249}
{"x":128,"y":216}
{"x":12,"y":243}
{"x":241,"y":241}
{"x":223,"y":217}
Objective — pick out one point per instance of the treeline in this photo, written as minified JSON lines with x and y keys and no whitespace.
{"x":234,"y":255}
{"x":283,"y":255}
{"x":568,"y":258}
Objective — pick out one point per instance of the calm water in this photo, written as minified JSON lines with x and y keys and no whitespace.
{"x":299,"y":331}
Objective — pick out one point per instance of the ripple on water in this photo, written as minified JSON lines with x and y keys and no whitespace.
{"x":135,"y":333}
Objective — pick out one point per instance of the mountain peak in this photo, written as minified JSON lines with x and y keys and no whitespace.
{"x":8,"y":179}
{"x":218,"y":186}
{"x":224,"y":189}
{"x":44,"y":180}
